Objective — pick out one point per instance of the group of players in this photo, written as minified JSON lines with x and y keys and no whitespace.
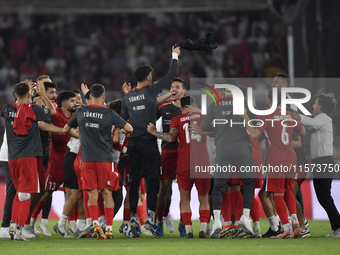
{"x":88,"y":142}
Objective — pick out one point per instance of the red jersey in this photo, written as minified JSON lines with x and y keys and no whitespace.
{"x":255,"y":147}
{"x":278,"y":130}
{"x":58,"y":146}
{"x":189,"y":144}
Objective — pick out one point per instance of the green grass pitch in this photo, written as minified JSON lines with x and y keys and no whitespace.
{"x":174,"y":244}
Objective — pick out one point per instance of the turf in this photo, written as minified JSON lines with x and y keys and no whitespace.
{"x":174,"y":244}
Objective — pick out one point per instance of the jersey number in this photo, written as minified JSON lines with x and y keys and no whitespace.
{"x":284,"y":136}
{"x":193,"y":136}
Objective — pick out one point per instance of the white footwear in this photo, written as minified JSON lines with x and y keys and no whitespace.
{"x":331,"y":234}
{"x":257,"y":233}
{"x":216,"y":230}
{"x":246,"y":225}
{"x":12,"y":229}
{"x":26,"y":233}
{"x":64,"y":231}
{"x":337,"y":233}
{"x":19,"y":236}
{"x":169,"y":224}
{"x":305,"y":233}
{"x":44,"y":229}
{"x":4,"y":233}
{"x":73,"y":227}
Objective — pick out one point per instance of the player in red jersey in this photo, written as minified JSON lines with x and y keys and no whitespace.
{"x":58,"y":147}
{"x":189,"y":144}
{"x":24,"y":147}
{"x":278,"y":131}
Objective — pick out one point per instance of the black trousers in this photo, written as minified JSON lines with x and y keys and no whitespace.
{"x":322,"y":188}
{"x":10,"y":194}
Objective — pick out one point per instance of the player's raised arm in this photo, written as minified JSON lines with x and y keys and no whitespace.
{"x":168,"y":137}
{"x":168,"y":78}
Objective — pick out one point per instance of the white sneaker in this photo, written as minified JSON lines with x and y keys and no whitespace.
{"x":19,"y":236}
{"x":337,"y":233}
{"x":4,"y":233}
{"x":246,"y":225}
{"x":148,"y":233}
{"x":257,"y":233}
{"x":12,"y":229}
{"x":64,"y":231}
{"x":27,"y":234}
{"x":44,"y":229}
{"x":216,"y":230}
{"x":73,"y":227}
{"x":169,"y":224}
{"x":331,"y":234}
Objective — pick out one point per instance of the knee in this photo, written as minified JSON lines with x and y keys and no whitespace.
{"x":23,"y":196}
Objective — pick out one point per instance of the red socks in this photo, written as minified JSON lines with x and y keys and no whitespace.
{"x":126,"y":214}
{"x":85,"y":203}
{"x":109,"y":216}
{"x":290,"y":202}
{"x":225,"y":208}
{"x":15,"y":208}
{"x":140,"y":214}
{"x":101,"y":211}
{"x":204,"y":216}
{"x":24,"y":211}
{"x":186,"y":217}
{"x":236,"y":204}
{"x":37,"y":210}
{"x":93,"y":209}
{"x":281,"y":209}
{"x":255,"y":210}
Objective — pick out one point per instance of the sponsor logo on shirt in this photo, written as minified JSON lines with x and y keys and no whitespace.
{"x":92,"y":125}
{"x":138,"y":107}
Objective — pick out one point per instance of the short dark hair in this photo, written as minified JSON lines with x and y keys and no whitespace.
{"x":44,"y":76}
{"x":285,"y":77}
{"x":142,"y":72}
{"x":76,"y":91}
{"x":97,"y":90}
{"x":270,"y":96}
{"x":48,"y":85}
{"x":115,"y":105}
{"x":21,"y":89}
{"x":326,"y":101}
{"x":179,"y":79}
{"x":232,"y":81}
{"x":87,"y":95}
{"x":64,"y":96}
{"x":187,"y":100}
{"x":244,"y":90}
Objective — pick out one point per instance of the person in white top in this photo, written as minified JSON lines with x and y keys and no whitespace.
{"x":321,"y":147}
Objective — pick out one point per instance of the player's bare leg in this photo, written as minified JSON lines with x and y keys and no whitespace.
{"x":73,"y":198}
{"x":39,"y":207}
{"x":82,"y":215}
{"x":185,"y":197}
{"x":298,"y":206}
{"x":269,"y":210}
